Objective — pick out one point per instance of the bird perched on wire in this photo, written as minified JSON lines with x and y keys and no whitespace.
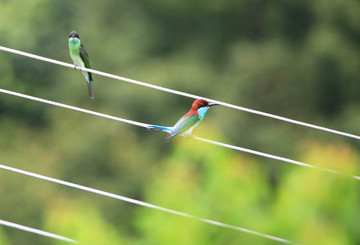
{"x":188,"y":122}
{"x":80,"y":58}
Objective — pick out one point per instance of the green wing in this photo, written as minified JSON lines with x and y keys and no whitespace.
{"x":183,"y":125}
{"x":85,"y":58}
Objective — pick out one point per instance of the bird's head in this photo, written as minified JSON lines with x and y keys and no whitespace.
{"x":201,"y":106}
{"x":200,"y":103}
{"x":74,"y":36}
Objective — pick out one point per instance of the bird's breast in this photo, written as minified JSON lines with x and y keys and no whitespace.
{"x":77,"y":61}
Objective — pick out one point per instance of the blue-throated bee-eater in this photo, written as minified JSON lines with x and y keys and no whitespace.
{"x":80,"y":58}
{"x":188,"y":122}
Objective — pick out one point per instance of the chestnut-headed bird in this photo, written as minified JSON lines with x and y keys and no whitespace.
{"x":80,"y":58}
{"x":188,"y":122}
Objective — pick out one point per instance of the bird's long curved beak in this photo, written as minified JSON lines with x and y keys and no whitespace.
{"x":211,"y":104}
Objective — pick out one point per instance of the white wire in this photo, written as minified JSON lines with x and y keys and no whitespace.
{"x":33,"y":56}
{"x":73,"y":108}
{"x":283,"y":159}
{"x":36,"y":231}
{"x":145,"y":125}
{"x":140,"y":203}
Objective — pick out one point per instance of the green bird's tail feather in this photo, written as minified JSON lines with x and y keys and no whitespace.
{"x":91,"y":95}
{"x":89,"y":80}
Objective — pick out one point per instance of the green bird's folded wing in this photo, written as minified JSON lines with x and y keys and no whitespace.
{"x":85,"y":58}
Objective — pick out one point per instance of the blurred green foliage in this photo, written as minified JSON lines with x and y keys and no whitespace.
{"x":298,"y":59}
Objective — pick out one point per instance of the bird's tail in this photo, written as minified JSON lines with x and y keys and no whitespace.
{"x":160,"y":128}
{"x":91,"y":95}
{"x":169,"y":137}
{"x":89,"y":81}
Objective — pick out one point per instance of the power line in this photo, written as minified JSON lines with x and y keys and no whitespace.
{"x":36,"y":231}
{"x":140,"y":203}
{"x":283,"y":159}
{"x":145,"y":125}
{"x":33,"y":56}
{"x":73,"y":108}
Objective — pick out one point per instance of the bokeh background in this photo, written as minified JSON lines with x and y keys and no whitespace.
{"x":298,"y":59}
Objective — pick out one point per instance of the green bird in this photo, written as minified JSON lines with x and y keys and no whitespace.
{"x":80,"y":58}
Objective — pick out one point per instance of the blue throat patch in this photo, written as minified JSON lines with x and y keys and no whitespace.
{"x":202,"y":111}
